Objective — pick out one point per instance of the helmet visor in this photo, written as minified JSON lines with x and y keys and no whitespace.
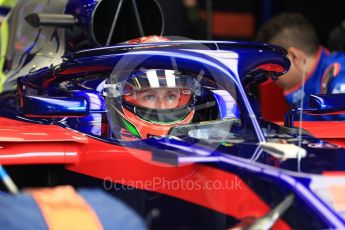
{"x":159,"y":89}
{"x":160,"y":98}
{"x":157,"y":79}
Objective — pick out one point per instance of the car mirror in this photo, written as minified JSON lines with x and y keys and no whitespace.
{"x":39,"y":106}
{"x":327,"y":104}
{"x":320,"y":104}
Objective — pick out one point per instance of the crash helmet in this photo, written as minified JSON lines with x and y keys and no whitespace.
{"x":148,"y":39}
{"x":150,"y":102}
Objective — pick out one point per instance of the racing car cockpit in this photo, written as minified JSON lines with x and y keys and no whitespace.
{"x":179,"y":89}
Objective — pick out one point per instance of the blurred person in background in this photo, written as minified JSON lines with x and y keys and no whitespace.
{"x":323,"y":73}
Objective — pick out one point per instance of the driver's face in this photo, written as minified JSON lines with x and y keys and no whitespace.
{"x":162,"y":98}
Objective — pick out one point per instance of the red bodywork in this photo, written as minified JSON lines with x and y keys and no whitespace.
{"x":27,"y":143}
{"x":330,"y":131}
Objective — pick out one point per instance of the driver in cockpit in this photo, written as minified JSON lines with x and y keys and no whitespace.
{"x":150,"y":102}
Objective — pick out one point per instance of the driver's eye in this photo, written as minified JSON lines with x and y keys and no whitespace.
{"x":150,"y":98}
{"x":171,"y":97}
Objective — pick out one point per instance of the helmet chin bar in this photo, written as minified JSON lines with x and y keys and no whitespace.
{"x":120,"y":117}
{"x":159,"y":116}
{"x":148,"y":128}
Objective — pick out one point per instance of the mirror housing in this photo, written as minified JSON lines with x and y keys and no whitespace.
{"x":52,"y":107}
{"x":327,"y":103}
{"x":320,"y":104}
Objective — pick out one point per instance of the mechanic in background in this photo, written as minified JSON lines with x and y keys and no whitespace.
{"x":323,"y":72}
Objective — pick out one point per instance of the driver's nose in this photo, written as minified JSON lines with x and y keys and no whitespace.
{"x":161,"y":104}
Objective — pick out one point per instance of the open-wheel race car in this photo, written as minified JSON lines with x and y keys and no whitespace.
{"x":171,"y":129}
